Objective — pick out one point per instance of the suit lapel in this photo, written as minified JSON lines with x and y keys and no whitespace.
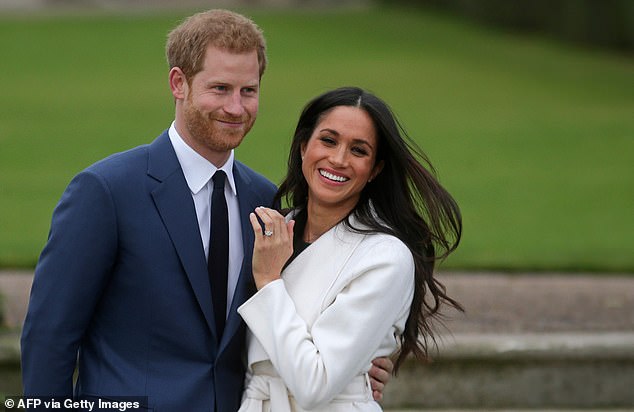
{"x":174,"y":202}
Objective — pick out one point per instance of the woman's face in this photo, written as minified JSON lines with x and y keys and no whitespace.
{"x":340,"y":158}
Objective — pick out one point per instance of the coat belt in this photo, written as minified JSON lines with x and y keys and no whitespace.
{"x":272,"y":388}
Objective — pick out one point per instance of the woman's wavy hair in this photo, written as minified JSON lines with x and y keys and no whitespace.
{"x":406,"y":197}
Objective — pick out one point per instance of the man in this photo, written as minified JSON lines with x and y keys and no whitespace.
{"x":122,"y":289}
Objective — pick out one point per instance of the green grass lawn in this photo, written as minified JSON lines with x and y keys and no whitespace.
{"x":533,"y":137}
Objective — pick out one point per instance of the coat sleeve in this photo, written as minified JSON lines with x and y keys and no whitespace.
{"x":317,"y":363}
{"x":68,"y":281}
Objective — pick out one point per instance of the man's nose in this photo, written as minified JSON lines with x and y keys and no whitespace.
{"x":234,"y":106}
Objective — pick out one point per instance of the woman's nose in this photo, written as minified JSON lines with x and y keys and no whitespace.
{"x":339,"y":157}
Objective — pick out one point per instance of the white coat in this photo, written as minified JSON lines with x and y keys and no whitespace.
{"x":313,"y":334}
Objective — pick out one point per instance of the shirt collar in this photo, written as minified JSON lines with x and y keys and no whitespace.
{"x":197,"y":169}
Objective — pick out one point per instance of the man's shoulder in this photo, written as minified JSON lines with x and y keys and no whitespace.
{"x":252,"y":177}
{"x":121,"y":162}
{"x":129,"y":160}
{"x":254,"y":186}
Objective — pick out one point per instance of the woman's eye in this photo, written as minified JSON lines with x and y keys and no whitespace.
{"x":328,"y":140}
{"x":359,"y":151}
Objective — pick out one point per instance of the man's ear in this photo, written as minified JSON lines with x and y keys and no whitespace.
{"x":178,"y":83}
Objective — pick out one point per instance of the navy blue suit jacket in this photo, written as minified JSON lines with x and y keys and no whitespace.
{"x":122,"y":284}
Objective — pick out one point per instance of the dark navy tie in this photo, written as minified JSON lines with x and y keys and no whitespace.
{"x":218,"y":259}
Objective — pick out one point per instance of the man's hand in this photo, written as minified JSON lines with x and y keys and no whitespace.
{"x":380,"y":374}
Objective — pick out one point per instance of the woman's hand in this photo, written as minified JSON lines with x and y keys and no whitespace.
{"x":380,"y":374}
{"x":273,"y":245}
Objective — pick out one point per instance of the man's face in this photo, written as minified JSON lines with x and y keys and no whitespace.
{"x":221,"y":103}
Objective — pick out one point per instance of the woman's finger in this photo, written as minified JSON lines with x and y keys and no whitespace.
{"x":273,"y":221}
{"x":269,"y":227}
{"x":290,"y":225}
{"x":257,"y":228}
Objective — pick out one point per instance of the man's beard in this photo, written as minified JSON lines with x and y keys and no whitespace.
{"x":206,"y":131}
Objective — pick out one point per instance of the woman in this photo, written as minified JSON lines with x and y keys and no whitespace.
{"x":347,"y":275}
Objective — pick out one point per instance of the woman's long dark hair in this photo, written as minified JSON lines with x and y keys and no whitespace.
{"x":406,"y":197}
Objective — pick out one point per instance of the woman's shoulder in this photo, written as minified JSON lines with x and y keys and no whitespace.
{"x":371,"y":237}
{"x":382,"y":259}
{"x":385,"y":242}
{"x":373,"y":244}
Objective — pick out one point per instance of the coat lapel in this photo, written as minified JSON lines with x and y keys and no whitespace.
{"x":310,"y":277}
{"x":174,"y":202}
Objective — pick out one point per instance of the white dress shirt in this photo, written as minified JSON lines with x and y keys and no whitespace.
{"x":198,"y":172}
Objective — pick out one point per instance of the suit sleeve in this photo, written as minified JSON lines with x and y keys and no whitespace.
{"x":68,"y":281}
{"x":317,"y":364}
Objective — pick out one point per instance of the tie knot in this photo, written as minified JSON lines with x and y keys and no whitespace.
{"x":219,"y":180}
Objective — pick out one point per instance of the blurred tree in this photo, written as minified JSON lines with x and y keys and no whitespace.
{"x":607,"y":23}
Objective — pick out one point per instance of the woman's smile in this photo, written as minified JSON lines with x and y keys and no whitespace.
{"x":333,"y":176}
